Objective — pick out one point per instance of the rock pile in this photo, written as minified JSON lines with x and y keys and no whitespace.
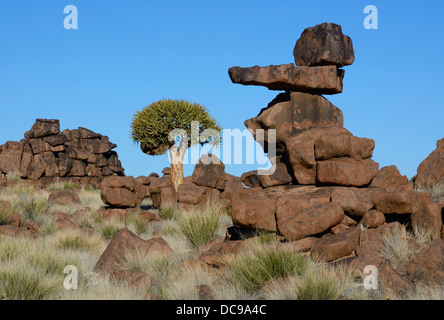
{"x":325,"y":184}
{"x":48,"y":155}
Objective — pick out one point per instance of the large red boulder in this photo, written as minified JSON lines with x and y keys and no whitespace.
{"x":430,"y":175}
{"x":311,"y":220}
{"x":209,"y":172}
{"x":428,"y":265}
{"x":346,"y":172}
{"x":119,"y":192}
{"x":300,"y":151}
{"x":389,"y":179}
{"x":324,"y":44}
{"x":334,"y":246}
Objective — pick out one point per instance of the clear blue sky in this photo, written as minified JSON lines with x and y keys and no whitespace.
{"x":127,"y":54}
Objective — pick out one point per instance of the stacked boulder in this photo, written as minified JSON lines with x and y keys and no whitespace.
{"x":323,"y":185}
{"x":48,"y":155}
{"x":208,"y":184}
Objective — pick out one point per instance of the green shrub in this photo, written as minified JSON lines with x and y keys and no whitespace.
{"x":254,"y":269}
{"x":108,"y":231}
{"x":168,"y":212}
{"x":135,"y":222}
{"x":25,"y":284}
{"x":35,"y":210}
{"x":5,"y":215}
{"x":322,"y":287}
{"x":200,"y":227}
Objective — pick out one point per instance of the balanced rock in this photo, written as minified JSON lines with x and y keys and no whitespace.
{"x":322,"y":80}
{"x":324,"y":44}
{"x":291,"y":113}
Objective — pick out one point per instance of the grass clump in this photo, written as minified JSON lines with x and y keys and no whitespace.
{"x":319,"y":285}
{"x":135,"y":222}
{"x":168,"y":212}
{"x":108,"y":231}
{"x":398,"y":248}
{"x":66,"y":186}
{"x":255,"y":268}
{"x":5,"y":214}
{"x":29,"y":284}
{"x":33,"y":209}
{"x":200,"y":226}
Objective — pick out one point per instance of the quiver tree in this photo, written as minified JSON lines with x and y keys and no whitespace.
{"x":174,"y":125}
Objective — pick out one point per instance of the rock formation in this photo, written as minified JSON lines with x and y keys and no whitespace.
{"x":325,"y":183}
{"x":48,"y":155}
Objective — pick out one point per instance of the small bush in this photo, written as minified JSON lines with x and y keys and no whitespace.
{"x":5,"y":215}
{"x":200,"y":226}
{"x":397,"y":247}
{"x":26,"y":284}
{"x":108,"y":231}
{"x":33,"y":209}
{"x":319,"y":287}
{"x":13,"y":176}
{"x":168,"y":212}
{"x":135,"y":222}
{"x":254,"y":269}
{"x":77,"y":241}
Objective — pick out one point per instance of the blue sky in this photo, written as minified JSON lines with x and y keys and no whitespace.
{"x":127,"y":54}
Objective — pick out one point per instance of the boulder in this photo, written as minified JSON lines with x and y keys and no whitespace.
{"x":300,"y":152}
{"x":324,"y":44}
{"x":291,"y":113}
{"x":10,"y":161}
{"x":191,"y":196}
{"x":332,"y":247}
{"x":373,"y":219}
{"x":430,"y":173}
{"x":428,"y":218}
{"x":389,"y":278}
{"x":428,"y":265}
{"x":251,"y":179}
{"x":119,"y":192}
{"x":322,"y":80}
{"x":43,"y":128}
{"x":64,"y":198}
{"x":125,"y":241}
{"x":63,"y":221}
{"x":254,"y":210}
{"x":221,"y":253}
{"x":343,"y":145}
{"x":400,"y":202}
{"x":279,"y":177}
{"x":346,"y":172}
{"x":298,"y":220}
{"x":209,"y":172}
{"x":389,"y":179}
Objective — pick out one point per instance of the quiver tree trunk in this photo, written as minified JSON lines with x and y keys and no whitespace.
{"x":176,"y":157}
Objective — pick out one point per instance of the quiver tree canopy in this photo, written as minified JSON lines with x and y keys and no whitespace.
{"x":179,"y":123}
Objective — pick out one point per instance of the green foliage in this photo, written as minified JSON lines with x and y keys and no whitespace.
{"x":5,"y":215}
{"x":253,"y":270}
{"x":33,"y":209}
{"x":168,"y":212}
{"x":152,"y":125}
{"x":108,"y":231}
{"x":319,"y":287}
{"x":21,"y":284}
{"x":200,"y":227}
